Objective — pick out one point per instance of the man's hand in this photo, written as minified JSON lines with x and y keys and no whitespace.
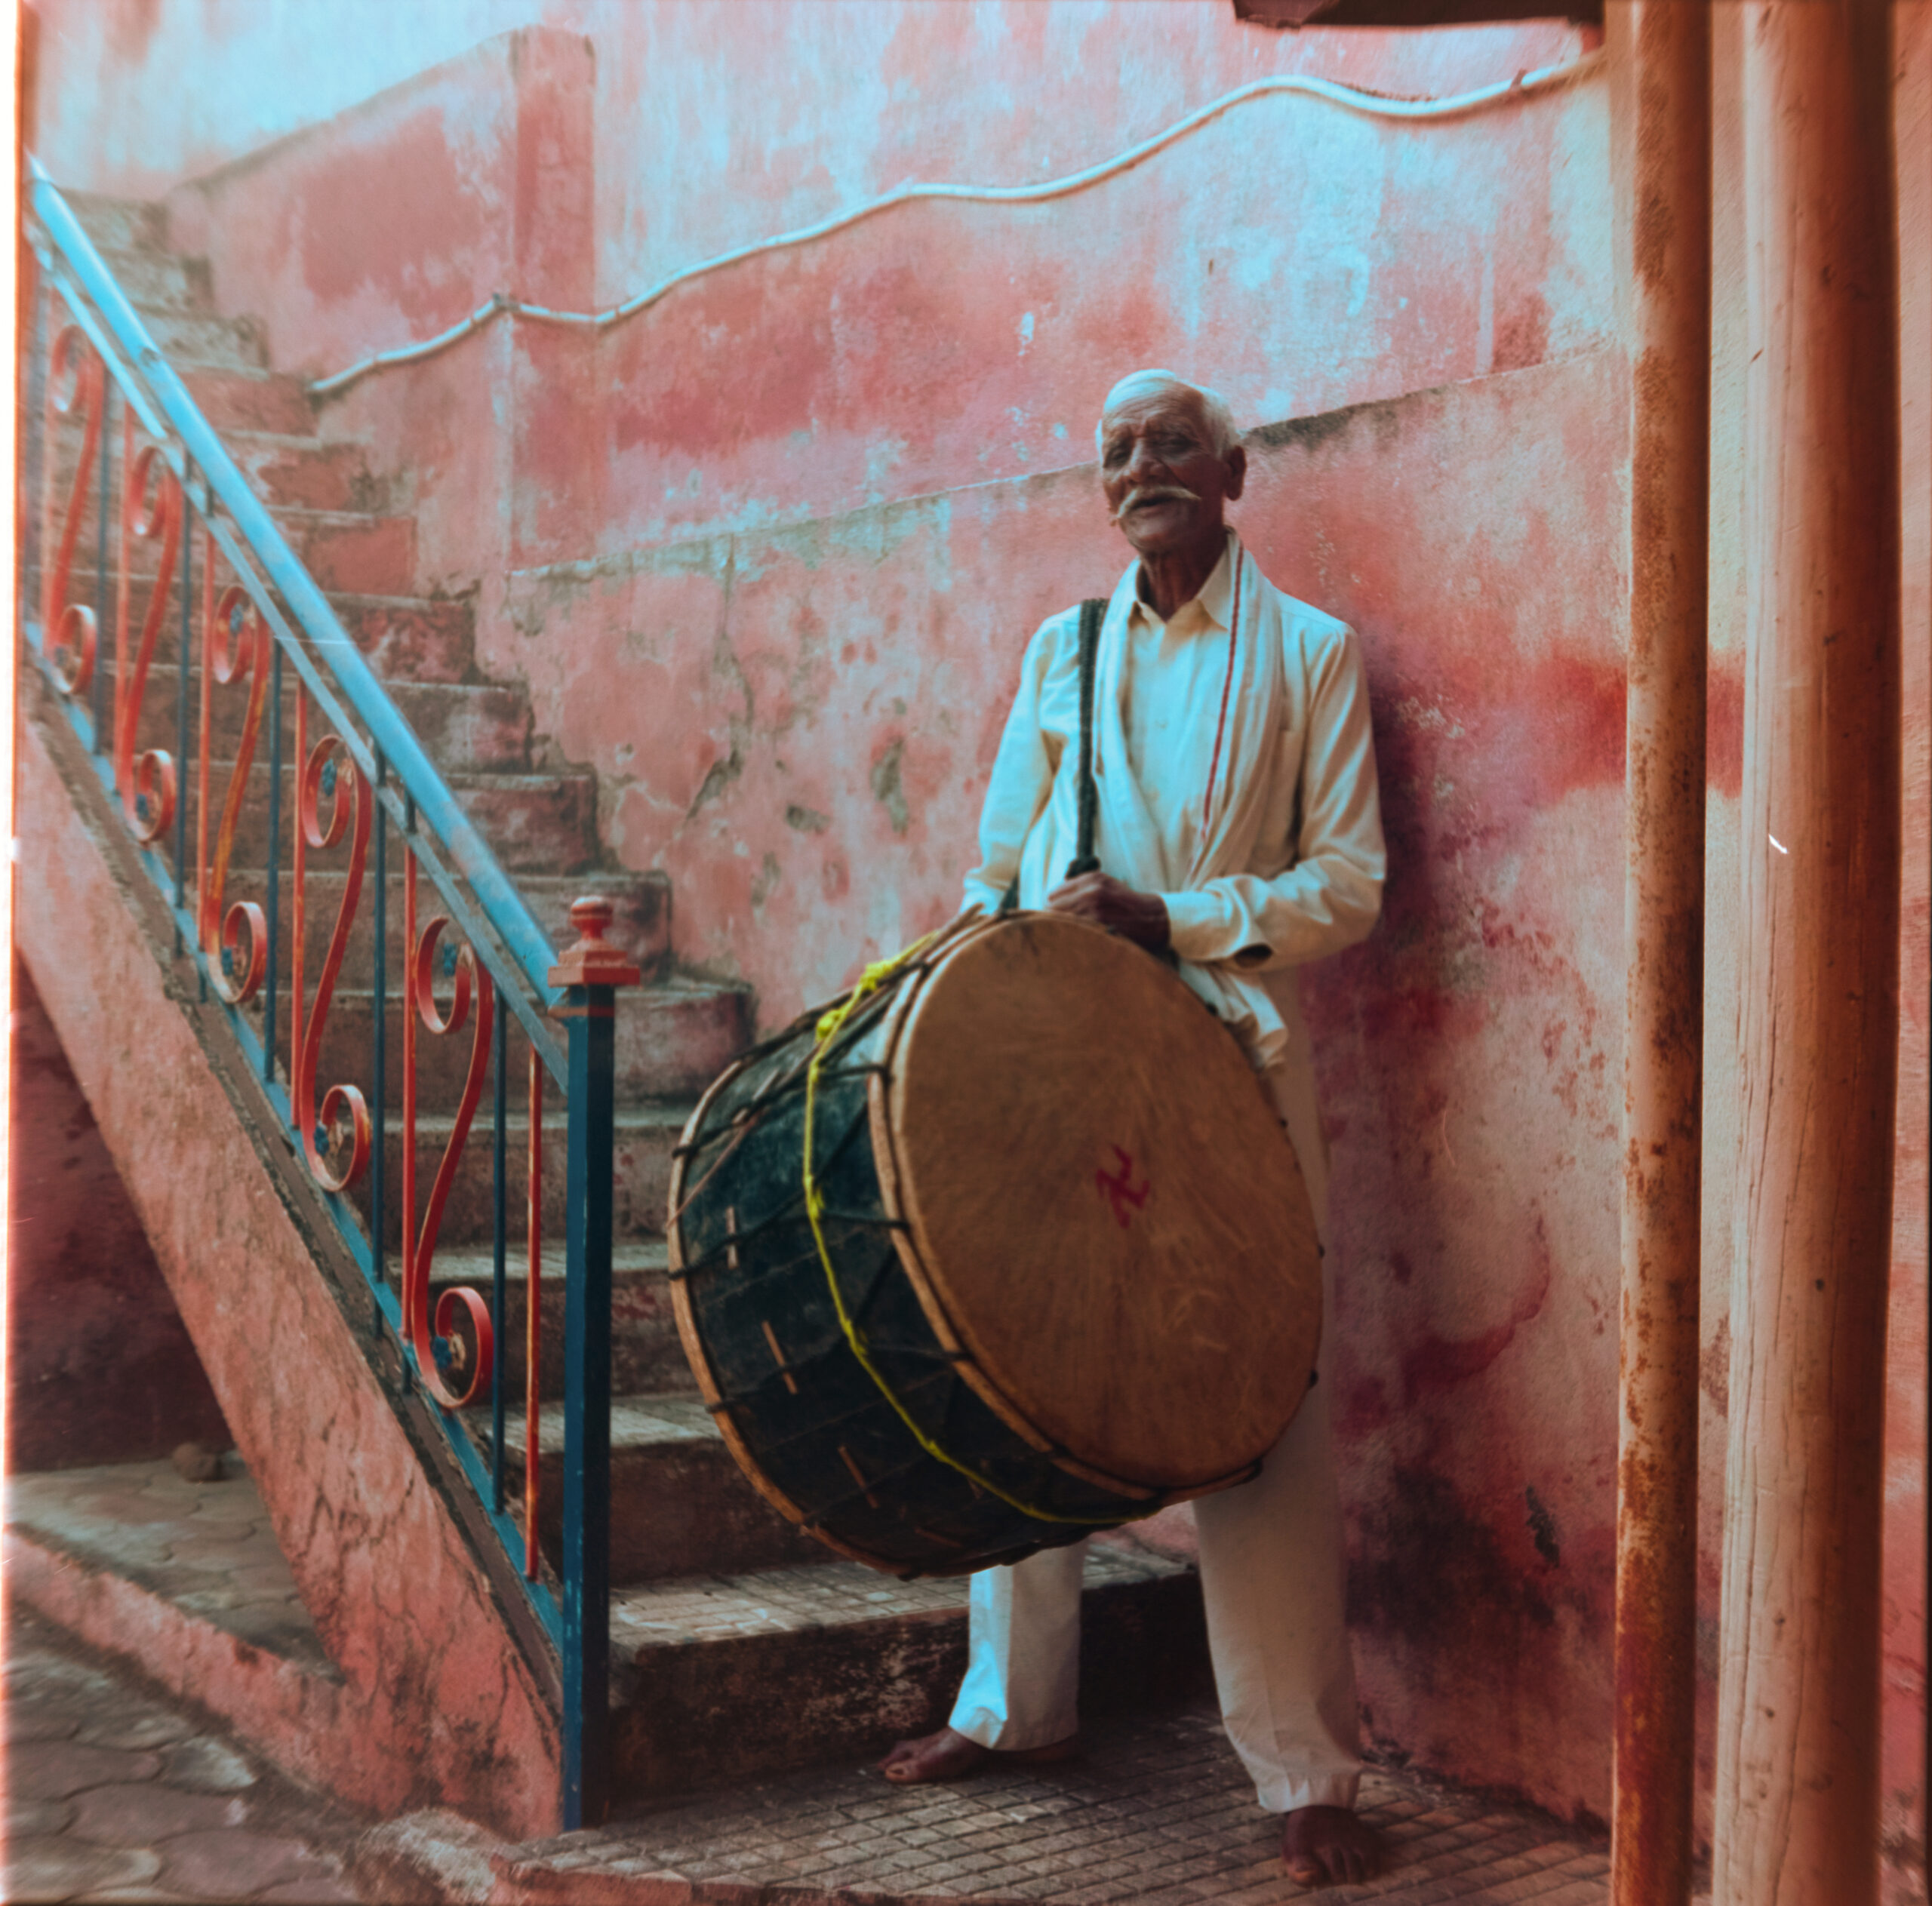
{"x":1140,"y":918}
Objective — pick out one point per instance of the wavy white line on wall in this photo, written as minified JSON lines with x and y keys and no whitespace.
{"x":1350,"y":99}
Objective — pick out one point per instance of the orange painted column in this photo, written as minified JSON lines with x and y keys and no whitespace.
{"x":1797,"y":1799}
{"x":1668,"y":92}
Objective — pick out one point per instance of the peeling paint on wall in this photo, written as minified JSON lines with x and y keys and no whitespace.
{"x":773,"y":575}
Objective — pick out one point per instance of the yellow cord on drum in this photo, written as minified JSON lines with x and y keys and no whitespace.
{"x":830,"y":1024}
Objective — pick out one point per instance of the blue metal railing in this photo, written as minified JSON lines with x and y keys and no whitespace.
{"x":484,"y":906}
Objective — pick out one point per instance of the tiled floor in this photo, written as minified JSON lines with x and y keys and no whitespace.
{"x":1157,"y":1813}
{"x":116,"y":1793}
{"x":699,"y":1608}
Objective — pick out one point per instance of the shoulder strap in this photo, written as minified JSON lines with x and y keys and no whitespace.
{"x":1091,"y":614}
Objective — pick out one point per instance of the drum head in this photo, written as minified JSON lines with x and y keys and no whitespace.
{"x":1101,"y":1204}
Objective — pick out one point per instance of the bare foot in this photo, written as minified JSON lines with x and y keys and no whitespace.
{"x":1329,"y":1845}
{"x":950,"y":1756}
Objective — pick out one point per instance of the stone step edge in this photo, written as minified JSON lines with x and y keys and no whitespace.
{"x":674,"y":988}
{"x":37,"y":1554}
{"x":644,"y":1257}
{"x":639,"y":1116}
{"x":350,"y":599}
{"x":168,"y":671}
{"x":300,"y":517}
{"x":301,"y":1717}
{"x":440,"y":1858}
{"x":828,"y":1597}
{"x":646,"y":1421}
{"x":517,"y":780}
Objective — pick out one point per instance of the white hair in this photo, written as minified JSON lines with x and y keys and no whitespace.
{"x":1223,"y":433}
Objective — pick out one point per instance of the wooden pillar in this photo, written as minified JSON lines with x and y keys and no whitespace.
{"x":1797,"y":1800}
{"x":1666,"y":97}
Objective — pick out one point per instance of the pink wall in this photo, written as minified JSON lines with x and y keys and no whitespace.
{"x":767,"y":554}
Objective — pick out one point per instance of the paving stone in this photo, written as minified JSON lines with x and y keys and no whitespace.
{"x":145,"y":1895}
{"x":18,"y":1729}
{"x":238,"y":1863}
{"x":150,"y":1727}
{"x":47,"y":1869}
{"x":1553,"y":1855}
{"x":322,"y":1890}
{"x":60,"y":1768}
{"x":147,"y":1824}
{"x":26,"y":1818}
{"x":206,"y":1765}
{"x":148,"y":1815}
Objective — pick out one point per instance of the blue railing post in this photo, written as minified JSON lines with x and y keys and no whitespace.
{"x":589,"y":974}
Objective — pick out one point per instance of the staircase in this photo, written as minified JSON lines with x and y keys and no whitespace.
{"x":739,"y":1646}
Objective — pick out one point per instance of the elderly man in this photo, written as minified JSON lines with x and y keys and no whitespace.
{"x":1239,"y":831}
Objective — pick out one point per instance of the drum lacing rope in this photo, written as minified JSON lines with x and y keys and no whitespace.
{"x":830,"y":1024}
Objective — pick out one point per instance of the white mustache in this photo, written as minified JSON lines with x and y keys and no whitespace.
{"x":1153,"y":493}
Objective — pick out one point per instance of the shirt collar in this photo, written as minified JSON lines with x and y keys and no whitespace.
{"x":1212,"y":603}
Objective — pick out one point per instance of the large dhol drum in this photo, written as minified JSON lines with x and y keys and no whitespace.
{"x":1063,"y":1271}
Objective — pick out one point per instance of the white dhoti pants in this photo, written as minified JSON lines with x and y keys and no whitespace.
{"x":1271,"y":1571}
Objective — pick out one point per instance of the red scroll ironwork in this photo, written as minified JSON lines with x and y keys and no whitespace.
{"x":146,"y":782}
{"x":419,"y":1249}
{"x":235,"y":642}
{"x":76,"y":386}
{"x":328,"y":774}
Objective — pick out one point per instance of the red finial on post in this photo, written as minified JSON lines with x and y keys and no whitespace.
{"x":593,"y":960}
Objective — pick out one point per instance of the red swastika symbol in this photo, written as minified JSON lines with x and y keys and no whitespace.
{"x":1118,"y":1189}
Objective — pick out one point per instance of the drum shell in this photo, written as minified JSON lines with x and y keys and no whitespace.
{"x":925,"y":1464}
{"x":805,"y":1419}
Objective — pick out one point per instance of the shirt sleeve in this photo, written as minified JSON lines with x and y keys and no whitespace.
{"x":1329,"y":898}
{"x":1022,"y":780}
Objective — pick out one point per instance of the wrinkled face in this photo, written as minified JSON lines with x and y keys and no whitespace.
{"x":1166,"y":488}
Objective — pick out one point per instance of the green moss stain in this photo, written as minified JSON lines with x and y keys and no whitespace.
{"x":887,"y":788}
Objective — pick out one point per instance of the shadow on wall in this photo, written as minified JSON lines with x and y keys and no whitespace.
{"x":100,"y":1367}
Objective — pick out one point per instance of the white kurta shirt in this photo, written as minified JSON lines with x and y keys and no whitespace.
{"x":1282,"y":863}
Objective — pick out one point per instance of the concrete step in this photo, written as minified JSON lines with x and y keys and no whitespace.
{"x":464,"y":728}
{"x":723,"y":1678}
{"x":159,"y":280}
{"x":119,"y":224}
{"x":536,"y":823}
{"x":672,"y":1040}
{"x":307,"y":472}
{"x":641,"y":923}
{"x":411,"y":638}
{"x":344,"y":551}
{"x":680,"y":1505}
{"x":352,"y":552}
{"x":644,"y":1137}
{"x":233,"y":397}
{"x":286,"y":473}
{"x":403,"y":638}
{"x":646,"y":1356}
{"x":202,"y":337}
